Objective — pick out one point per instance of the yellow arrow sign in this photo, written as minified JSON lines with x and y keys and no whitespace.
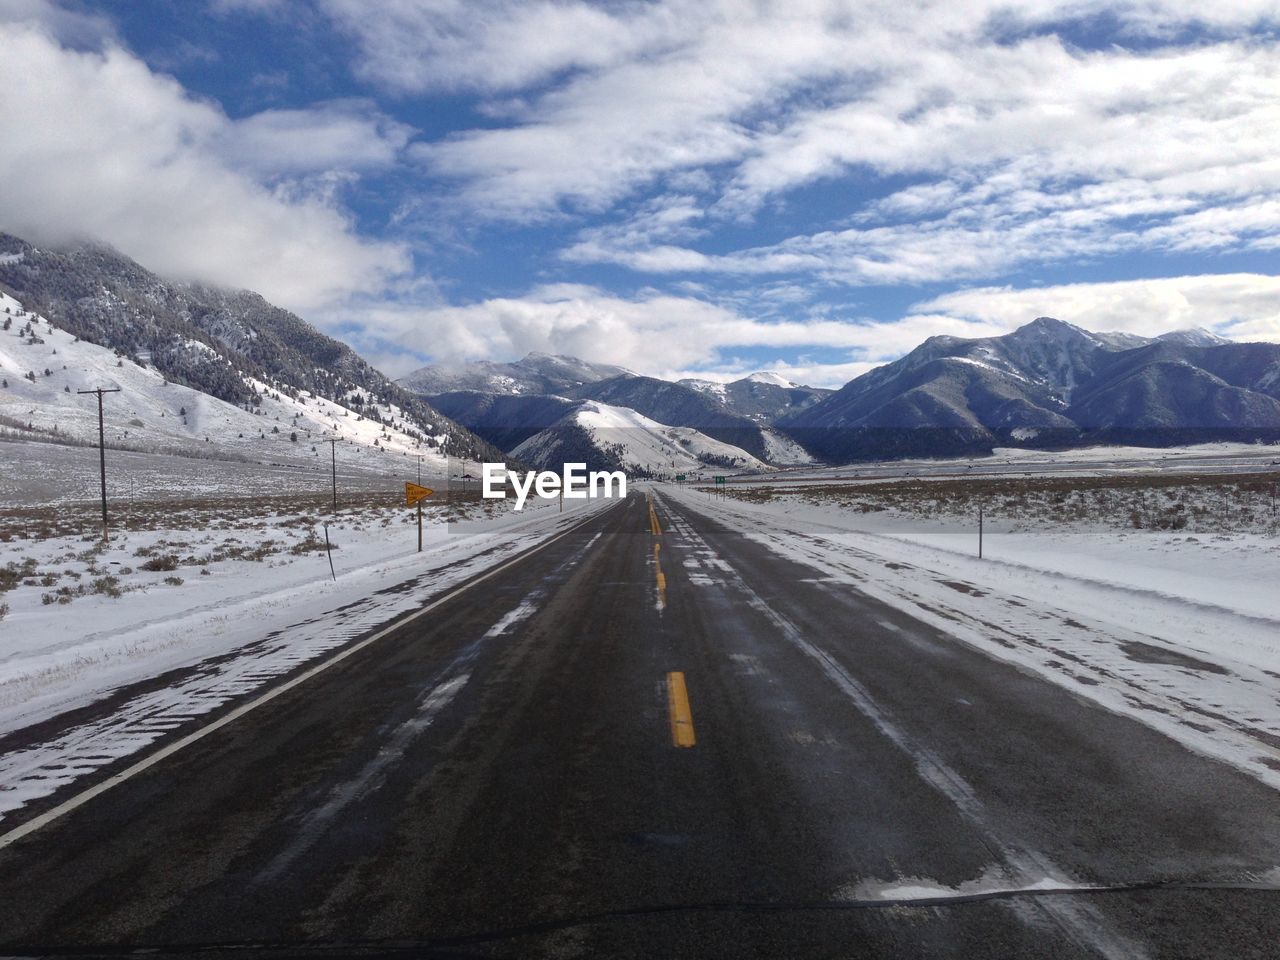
{"x":413,"y":493}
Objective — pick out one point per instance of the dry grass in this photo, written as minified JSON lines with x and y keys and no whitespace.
{"x":215,"y":513}
{"x":1208,"y":503}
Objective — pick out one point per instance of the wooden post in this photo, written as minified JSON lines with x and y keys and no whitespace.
{"x":102,"y":455}
{"x":419,"y":526}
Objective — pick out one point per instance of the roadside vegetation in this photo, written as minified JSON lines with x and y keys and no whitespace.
{"x":58,"y":552}
{"x":1207,"y":504}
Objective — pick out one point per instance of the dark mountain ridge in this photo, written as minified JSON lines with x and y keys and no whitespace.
{"x":1048,"y":384}
{"x":540,"y":374}
{"x":206,"y":338}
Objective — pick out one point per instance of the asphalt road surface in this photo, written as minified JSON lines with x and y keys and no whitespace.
{"x":655,"y":738}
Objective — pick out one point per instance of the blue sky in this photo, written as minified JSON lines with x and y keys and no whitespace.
{"x":677,"y":186}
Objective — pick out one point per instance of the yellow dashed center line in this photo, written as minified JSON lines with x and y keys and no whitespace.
{"x":654,"y":526}
{"x":681,"y":715}
{"x":659,"y":576}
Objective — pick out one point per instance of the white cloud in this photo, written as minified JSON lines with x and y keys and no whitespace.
{"x":1241,"y":306}
{"x":96,"y":145}
{"x":648,"y":333}
{"x":653,"y":333}
{"x":75,"y":27}
{"x":420,"y":45}
{"x":1029,"y":153}
{"x":336,"y":135}
{"x":668,"y":336}
{"x":613,"y":99}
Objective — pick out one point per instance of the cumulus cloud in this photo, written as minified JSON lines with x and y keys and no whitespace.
{"x":1240,"y":306}
{"x":97,"y":145}
{"x":652,"y":333}
{"x":648,"y":332}
{"x":349,"y":135}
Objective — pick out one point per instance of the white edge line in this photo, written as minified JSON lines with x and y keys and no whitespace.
{"x":71,"y":803}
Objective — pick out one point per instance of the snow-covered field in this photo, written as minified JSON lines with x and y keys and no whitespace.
{"x":49,"y":474}
{"x":1083,"y":461}
{"x":1178,"y":628}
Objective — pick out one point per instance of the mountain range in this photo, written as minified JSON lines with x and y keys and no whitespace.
{"x":541,"y":406}
{"x":117,"y":323}
{"x":1046,"y":384}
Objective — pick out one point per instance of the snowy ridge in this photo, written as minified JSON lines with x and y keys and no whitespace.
{"x":153,"y":414}
{"x":640,"y":444}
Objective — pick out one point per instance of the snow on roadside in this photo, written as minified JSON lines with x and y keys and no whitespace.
{"x":78,"y":628}
{"x":243,"y":631}
{"x":1194,"y":655}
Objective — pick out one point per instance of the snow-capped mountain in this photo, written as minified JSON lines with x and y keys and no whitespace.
{"x":192,"y":363}
{"x":608,"y":437}
{"x":1193,"y":337}
{"x":678,"y":406}
{"x":536,"y":374}
{"x":764,"y":396}
{"x":1047,"y":382}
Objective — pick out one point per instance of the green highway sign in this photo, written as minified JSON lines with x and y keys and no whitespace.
{"x":720,"y":479}
{"x":679,"y":478}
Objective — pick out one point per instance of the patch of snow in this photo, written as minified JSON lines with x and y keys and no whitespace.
{"x":782,"y":450}
{"x":711,"y":388}
{"x":769,"y":377}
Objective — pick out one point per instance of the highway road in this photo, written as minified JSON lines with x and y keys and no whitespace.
{"x":656,"y":738}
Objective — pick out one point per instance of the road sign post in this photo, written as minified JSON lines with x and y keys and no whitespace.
{"x":413,"y":496}
{"x":720,"y":484}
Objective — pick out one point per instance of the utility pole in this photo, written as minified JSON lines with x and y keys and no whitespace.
{"x":333,"y":461}
{"x":419,"y":469}
{"x":979,"y":529}
{"x":102,"y":454}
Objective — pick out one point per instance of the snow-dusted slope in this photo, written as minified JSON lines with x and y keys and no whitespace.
{"x":537,"y":374}
{"x":152,"y":414}
{"x":712,"y":388}
{"x":782,"y":451}
{"x":620,"y":436}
